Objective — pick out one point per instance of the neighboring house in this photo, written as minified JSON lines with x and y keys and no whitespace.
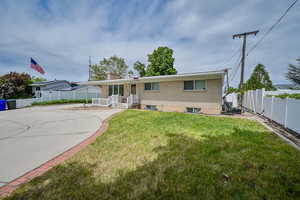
{"x":287,"y":87}
{"x":190,"y":92}
{"x":83,"y":88}
{"x":48,"y":85}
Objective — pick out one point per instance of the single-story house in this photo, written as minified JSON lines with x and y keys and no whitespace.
{"x":81,"y":88}
{"x":48,"y":85}
{"x":189,"y":92}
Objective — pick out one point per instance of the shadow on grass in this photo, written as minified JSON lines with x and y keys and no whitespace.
{"x":216,"y":167}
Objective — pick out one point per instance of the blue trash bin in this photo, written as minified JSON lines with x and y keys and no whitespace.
{"x":2,"y":104}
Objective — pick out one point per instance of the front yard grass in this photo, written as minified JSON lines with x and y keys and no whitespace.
{"x":156,"y":155}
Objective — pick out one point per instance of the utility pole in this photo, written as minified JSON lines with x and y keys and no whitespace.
{"x":244,"y":36}
{"x":90,"y":71}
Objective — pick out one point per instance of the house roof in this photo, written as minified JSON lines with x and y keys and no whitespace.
{"x":74,"y":88}
{"x":47,"y":82}
{"x":186,"y":76}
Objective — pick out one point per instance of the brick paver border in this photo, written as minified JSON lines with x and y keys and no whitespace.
{"x":13,"y":185}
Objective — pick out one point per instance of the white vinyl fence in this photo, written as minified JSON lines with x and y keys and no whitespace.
{"x":57,"y":95}
{"x":283,"y":111}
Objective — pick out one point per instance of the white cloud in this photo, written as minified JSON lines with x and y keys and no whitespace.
{"x":62,"y":34}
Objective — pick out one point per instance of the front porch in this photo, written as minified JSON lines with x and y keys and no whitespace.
{"x":118,"y":96}
{"x":116,"y":101}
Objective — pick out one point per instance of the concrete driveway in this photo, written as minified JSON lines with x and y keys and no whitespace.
{"x":31,"y":136}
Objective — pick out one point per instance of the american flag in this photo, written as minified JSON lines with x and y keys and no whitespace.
{"x":34,"y":65}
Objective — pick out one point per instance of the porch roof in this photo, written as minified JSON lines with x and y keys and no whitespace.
{"x":185,"y":76}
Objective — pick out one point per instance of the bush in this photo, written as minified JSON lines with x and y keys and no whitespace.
{"x":62,"y":101}
{"x":285,"y":95}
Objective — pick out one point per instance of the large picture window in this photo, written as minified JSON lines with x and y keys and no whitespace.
{"x":151,"y":86}
{"x":195,"y":85}
{"x":116,"y":90}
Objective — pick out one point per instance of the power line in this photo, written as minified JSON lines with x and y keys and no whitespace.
{"x":272,"y":27}
{"x":236,"y":69}
{"x":231,"y":57}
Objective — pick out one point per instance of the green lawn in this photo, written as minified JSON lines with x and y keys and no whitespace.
{"x":156,"y":155}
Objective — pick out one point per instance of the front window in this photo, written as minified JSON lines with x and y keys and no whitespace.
{"x":116,"y":90}
{"x":151,"y":86}
{"x":195,"y":85}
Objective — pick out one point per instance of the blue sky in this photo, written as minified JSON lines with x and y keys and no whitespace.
{"x":61,"y":35}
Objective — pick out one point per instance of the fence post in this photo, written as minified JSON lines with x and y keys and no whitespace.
{"x":286,"y":112}
{"x":272,"y":100}
{"x":262,"y":100}
{"x":42,"y":96}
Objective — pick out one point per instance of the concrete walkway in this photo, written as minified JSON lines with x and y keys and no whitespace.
{"x":31,"y":136}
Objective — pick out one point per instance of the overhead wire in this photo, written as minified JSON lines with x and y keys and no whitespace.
{"x":272,"y":27}
{"x":236,"y":68}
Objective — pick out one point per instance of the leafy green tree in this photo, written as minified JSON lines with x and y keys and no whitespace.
{"x":232,"y":90}
{"x":161,"y":62}
{"x":140,"y":68}
{"x":35,"y":79}
{"x":259,"y":79}
{"x":130,"y":73}
{"x":293,"y":73}
{"x":114,"y":64}
{"x":14,"y":85}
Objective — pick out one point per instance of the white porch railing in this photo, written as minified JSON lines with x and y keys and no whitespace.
{"x":116,"y":101}
{"x":101,"y":101}
{"x":132,"y":99}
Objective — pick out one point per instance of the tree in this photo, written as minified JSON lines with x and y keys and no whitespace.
{"x":36,"y":79}
{"x":293,"y":73}
{"x":259,"y":79}
{"x":161,"y":62}
{"x":140,"y":68}
{"x":232,"y":90}
{"x":130,"y":73}
{"x":113,"y":65}
{"x":14,"y":85}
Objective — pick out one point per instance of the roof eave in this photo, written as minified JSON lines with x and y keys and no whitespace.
{"x":158,"y":78}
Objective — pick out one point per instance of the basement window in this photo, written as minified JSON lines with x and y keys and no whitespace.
{"x":151,"y":107}
{"x":193,"y":110}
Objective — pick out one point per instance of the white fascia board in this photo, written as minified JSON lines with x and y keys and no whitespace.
{"x":187,"y":76}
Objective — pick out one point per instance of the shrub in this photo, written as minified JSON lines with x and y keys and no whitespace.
{"x":62,"y":101}
{"x":285,"y":95}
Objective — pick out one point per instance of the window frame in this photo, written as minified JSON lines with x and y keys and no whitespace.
{"x":117,"y":88}
{"x":151,"y":107}
{"x":194,"y":85}
{"x":151,"y":86}
{"x":193,"y":110}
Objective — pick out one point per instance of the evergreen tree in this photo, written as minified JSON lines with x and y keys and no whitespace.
{"x":259,"y":79}
{"x":294,"y":73}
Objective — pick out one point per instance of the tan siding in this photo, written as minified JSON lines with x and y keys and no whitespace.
{"x":104,"y":91}
{"x":172,"y":97}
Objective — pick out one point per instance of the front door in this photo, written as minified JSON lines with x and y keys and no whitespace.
{"x":133,"y":89}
